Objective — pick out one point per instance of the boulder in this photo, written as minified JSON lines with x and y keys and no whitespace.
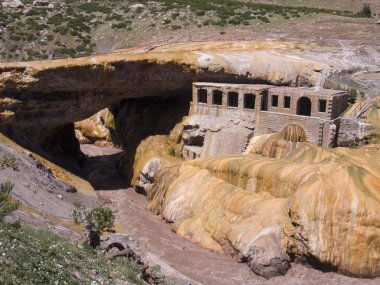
{"x":12,"y":4}
{"x":147,"y":174}
{"x":137,"y":6}
{"x":266,"y":258}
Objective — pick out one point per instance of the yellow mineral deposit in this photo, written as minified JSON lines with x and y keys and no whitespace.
{"x":94,"y":128}
{"x":316,"y":204}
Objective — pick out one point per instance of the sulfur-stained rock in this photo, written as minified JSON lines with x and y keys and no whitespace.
{"x":94,"y":128}
{"x":282,"y":144}
{"x":317,"y":205}
{"x":152,"y":154}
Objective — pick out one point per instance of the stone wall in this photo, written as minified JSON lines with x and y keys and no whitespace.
{"x":319,"y":131}
{"x":352,"y":132}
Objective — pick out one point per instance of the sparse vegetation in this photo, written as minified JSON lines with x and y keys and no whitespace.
{"x":29,"y":256}
{"x":7,"y":204}
{"x":9,"y":161}
{"x":74,"y":23}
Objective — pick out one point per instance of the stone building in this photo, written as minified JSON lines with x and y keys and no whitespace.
{"x":269,"y":108}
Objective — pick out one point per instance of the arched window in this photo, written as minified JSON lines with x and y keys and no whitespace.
{"x":249,"y":101}
{"x":202,"y":96}
{"x":233,"y":99}
{"x":217,"y":97}
{"x":304,"y":106}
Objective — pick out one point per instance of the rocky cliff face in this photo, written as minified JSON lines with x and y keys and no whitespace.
{"x":310,"y":204}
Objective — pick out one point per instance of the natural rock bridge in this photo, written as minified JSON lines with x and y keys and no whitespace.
{"x":39,"y":101}
{"x":53,"y":93}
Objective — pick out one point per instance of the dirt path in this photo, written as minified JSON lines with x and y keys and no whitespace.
{"x":183,"y":261}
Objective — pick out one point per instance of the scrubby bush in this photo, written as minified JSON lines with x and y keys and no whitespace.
{"x":7,"y":205}
{"x":176,"y":27}
{"x":366,"y":11}
{"x":90,"y":7}
{"x":97,"y":220}
{"x":121,"y":25}
{"x":175,"y":15}
{"x":56,"y":20}
{"x":9,"y":160}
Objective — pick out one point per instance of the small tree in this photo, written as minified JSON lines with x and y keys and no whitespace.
{"x":7,"y":205}
{"x":96,"y":220}
{"x":366,"y":11}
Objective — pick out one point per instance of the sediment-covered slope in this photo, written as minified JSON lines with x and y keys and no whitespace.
{"x":43,"y":187}
{"x":63,"y":91}
{"x":319,"y":206}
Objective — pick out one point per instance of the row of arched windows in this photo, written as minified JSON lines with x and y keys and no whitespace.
{"x":304,"y":105}
{"x":232,"y":98}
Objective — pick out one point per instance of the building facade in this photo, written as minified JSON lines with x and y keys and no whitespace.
{"x":269,"y":108}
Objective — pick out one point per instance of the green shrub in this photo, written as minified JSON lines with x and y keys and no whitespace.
{"x":176,"y":27}
{"x":114,"y":16}
{"x":30,"y":37}
{"x":139,"y":10}
{"x":61,"y":30}
{"x":121,"y":25}
{"x":234,"y":21}
{"x":7,"y":205}
{"x":56,"y":20}
{"x":366,"y":11}
{"x":64,"y":51}
{"x":9,"y":160}
{"x":175,"y":15}
{"x":97,"y":220}
{"x":90,"y":7}
{"x":15,"y":38}
{"x":263,"y":19}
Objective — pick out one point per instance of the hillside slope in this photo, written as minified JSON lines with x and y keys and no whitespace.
{"x":77,"y":28}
